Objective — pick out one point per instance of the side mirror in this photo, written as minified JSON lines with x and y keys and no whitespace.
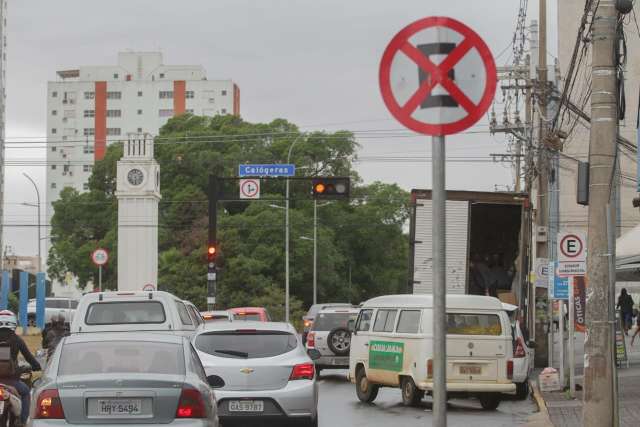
{"x":314,"y":354}
{"x":215,"y":381}
{"x":531,"y":344}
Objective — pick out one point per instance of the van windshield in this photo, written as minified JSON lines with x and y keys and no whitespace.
{"x":473,"y":324}
{"x":129,"y":312}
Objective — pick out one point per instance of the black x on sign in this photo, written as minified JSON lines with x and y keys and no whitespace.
{"x":433,"y":85}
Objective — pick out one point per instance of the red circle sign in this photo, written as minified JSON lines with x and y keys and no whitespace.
{"x":440,"y":74}
{"x":100,"y":256}
{"x":571,"y":246}
{"x":250,"y":188}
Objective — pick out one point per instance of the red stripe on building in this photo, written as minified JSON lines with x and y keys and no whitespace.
{"x":179,"y":97}
{"x":100,"y":124}
{"x":236,"y":100}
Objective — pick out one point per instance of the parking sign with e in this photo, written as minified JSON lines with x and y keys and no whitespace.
{"x":572,"y":247}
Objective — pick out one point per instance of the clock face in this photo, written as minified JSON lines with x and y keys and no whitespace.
{"x":135,"y":177}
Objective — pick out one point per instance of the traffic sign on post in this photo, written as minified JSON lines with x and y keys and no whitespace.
{"x":100,"y":257}
{"x":437,"y":98}
{"x":438,"y":77}
{"x":250,"y":188}
{"x":572,"y":254}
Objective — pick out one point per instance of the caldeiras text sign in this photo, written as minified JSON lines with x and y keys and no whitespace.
{"x":437,"y":76}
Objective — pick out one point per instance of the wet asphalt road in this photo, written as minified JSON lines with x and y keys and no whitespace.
{"x":339,"y":407}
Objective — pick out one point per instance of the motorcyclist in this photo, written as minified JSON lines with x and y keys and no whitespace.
{"x":10,"y":345}
{"x":55,"y":333}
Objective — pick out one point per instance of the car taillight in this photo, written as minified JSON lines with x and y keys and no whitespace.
{"x":304,"y":371}
{"x":308,"y":323}
{"x":430,"y":368}
{"x":519,"y":352}
{"x":311,"y":340}
{"x":48,"y":405}
{"x":510,"y":369}
{"x":191,"y":404}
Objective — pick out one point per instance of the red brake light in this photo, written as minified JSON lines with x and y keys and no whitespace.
{"x":311,"y":340}
{"x":48,"y":405}
{"x":126,"y":293}
{"x":191,"y":404}
{"x":308,"y":323}
{"x":304,"y":371}
{"x":519,"y":352}
{"x":510,"y":369}
{"x":430,"y":368}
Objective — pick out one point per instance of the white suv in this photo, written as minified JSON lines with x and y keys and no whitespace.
{"x":331,"y":336}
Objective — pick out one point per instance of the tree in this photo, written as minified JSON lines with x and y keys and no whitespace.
{"x":351,"y":264}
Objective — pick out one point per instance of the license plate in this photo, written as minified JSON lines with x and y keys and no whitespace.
{"x":113,"y":407}
{"x":246,"y":406}
{"x":470,"y":370}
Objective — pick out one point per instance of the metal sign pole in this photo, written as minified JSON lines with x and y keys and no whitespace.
{"x":561,"y":339}
{"x":100,"y":278}
{"x":439,"y":197}
{"x":571,"y":347}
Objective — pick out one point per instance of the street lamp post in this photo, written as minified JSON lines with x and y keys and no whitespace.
{"x":39,"y":224}
{"x":286,"y":235}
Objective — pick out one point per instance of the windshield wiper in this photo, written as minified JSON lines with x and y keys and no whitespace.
{"x":233,"y":353}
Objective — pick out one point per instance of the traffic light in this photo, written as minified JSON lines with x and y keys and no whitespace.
{"x":331,"y":188}
{"x":212,"y":251}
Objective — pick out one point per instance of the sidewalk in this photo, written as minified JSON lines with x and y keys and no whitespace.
{"x":566,"y":412}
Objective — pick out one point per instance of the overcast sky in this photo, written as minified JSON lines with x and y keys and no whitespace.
{"x":314,"y":63}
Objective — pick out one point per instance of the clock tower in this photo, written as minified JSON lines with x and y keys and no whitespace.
{"x":138,"y":193}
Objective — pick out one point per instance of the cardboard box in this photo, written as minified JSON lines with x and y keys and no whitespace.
{"x":549,"y":381}
{"x":508,"y":298}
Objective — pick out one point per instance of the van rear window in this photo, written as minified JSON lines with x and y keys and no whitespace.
{"x":125,"y":312}
{"x":473,"y":324}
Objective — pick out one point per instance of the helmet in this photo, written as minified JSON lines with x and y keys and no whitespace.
{"x":8,"y":320}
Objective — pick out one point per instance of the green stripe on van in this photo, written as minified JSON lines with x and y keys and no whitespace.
{"x":386,"y":355}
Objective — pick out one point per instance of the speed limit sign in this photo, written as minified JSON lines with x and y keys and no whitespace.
{"x":100,"y":257}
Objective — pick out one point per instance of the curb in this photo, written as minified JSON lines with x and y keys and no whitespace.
{"x":540,"y":403}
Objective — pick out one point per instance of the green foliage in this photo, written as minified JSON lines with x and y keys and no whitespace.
{"x":361,"y":245}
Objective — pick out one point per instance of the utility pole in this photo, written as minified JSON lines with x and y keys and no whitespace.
{"x":212,"y":243}
{"x":543,"y":343}
{"x":598,"y":372}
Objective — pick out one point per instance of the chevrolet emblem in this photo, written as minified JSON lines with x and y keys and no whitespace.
{"x":246,"y":371}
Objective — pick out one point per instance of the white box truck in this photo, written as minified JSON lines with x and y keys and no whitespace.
{"x":483,"y":242}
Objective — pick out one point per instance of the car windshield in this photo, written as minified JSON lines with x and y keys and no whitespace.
{"x":246,"y":344}
{"x":121,"y":357}
{"x":129,"y":312}
{"x":247,"y":316}
{"x":329,"y":321}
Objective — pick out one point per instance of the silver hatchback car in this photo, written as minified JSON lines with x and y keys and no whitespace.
{"x":124,"y":378}
{"x":260,"y":371}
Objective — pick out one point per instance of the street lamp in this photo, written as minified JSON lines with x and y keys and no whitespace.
{"x":38,"y":207}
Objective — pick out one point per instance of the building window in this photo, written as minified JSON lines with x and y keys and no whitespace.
{"x":189,"y":94}
{"x":139,"y":130}
{"x":69,"y":114}
{"x":54,"y":94}
{"x":139,"y":112}
{"x":114,"y":95}
{"x":54,"y":149}
{"x":89,"y":95}
{"x":54,"y":112}
{"x":162,"y":75}
{"x":53,"y":185}
{"x":224,"y":93}
{"x":64,"y":137}
{"x":65,"y":168}
{"x":69,"y":98}
{"x":54,"y":131}
{"x":114,"y":113}
{"x":87,"y":168}
{"x":166,"y":94}
{"x":113,"y":131}
{"x":223,"y":111}
{"x":53,"y":167}
{"x":165,"y":113}
{"x":115,"y":75}
{"x":89,"y":131}
{"x":87,"y":149}
{"x":89,"y":113}
{"x":139,"y":93}
{"x":85,"y":186}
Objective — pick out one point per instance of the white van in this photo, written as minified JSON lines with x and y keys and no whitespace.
{"x":133,"y":311}
{"x":392,"y":346}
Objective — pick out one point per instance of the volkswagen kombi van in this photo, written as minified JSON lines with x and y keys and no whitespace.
{"x":392,"y":346}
